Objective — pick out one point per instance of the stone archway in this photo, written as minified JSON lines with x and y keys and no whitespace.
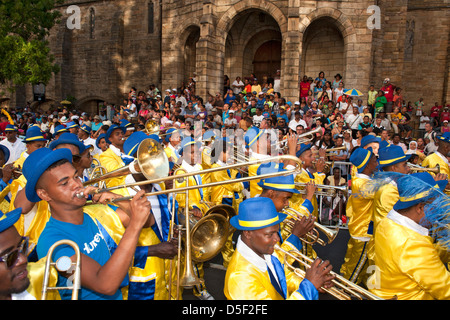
{"x":340,"y":30}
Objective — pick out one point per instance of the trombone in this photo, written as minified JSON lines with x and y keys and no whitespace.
{"x":331,"y":234}
{"x":417,"y":168}
{"x":343,"y":289}
{"x":206,"y":171}
{"x":63,"y":264}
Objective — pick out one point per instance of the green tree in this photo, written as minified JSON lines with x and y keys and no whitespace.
{"x":24,"y":53}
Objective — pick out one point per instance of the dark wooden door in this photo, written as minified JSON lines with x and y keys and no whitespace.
{"x":267,"y":59}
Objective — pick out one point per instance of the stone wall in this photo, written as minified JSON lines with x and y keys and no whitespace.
{"x":102,"y":60}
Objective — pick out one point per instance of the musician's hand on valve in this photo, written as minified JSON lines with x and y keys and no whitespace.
{"x":310,"y":189}
{"x":320,"y":164}
{"x":303,"y":226}
{"x":196,"y":212}
{"x":319,"y":274}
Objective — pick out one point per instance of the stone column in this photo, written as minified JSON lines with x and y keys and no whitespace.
{"x":291,"y":53}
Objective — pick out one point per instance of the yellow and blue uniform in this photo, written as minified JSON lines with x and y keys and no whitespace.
{"x":434,"y":159}
{"x":111,"y":160}
{"x":408,"y":265}
{"x":252,"y":276}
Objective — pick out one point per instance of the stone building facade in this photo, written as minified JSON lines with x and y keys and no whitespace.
{"x":125,"y":43}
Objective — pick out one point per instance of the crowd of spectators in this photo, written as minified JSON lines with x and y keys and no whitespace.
{"x":343,"y":119}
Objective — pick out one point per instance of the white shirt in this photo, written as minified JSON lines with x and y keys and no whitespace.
{"x":294,"y":123}
{"x":239,"y":84}
{"x":407,"y":222}
{"x":15,"y":149}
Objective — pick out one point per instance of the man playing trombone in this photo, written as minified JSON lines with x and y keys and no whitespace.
{"x":359,"y":212}
{"x":255,"y":271}
{"x":107,"y":239}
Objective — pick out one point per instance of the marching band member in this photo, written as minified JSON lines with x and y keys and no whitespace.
{"x":72,"y":127}
{"x":80,"y":152}
{"x":14,"y":277}
{"x":84,"y":134}
{"x":148,"y":278}
{"x":173,"y":140}
{"x":255,"y":272}
{"x":359,"y":212}
{"x":59,"y":129}
{"x":390,"y":159}
{"x":113,"y":158}
{"x":227,"y":193}
{"x":309,"y":174}
{"x":198,"y":198}
{"x":258,"y":142}
{"x":280,"y":190}
{"x":34,"y":139}
{"x":34,"y":215}
{"x":129,"y":127}
{"x":439,"y":157}
{"x":7,"y":176}
{"x":408,"y":262}
{"x":107,"y":239}
{"x":14,"y":144}
{"x":368,"y":141}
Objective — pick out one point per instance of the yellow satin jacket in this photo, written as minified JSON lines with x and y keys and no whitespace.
{"x":305,"y":177}
{"x":434,"y":159}
{"x":229,"y":190}
{"x":245,"y":281}
{"x":359,"y":208}
{"x":111,"y":162}
{"x":408,"y":265}
{"x":41,"y":212}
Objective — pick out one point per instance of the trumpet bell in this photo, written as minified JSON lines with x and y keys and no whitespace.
{"x":151,"y":127}
{"x":152,"y":159}
{"x":208,"y":237}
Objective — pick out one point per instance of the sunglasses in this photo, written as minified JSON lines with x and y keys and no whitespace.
{"x":11,"y":257}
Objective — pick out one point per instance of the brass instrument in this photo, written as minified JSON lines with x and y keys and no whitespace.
{"x":335,"y":149}
{"x":151,"y":161}
{"x":295,"y":215}
{"x":330,"y":191}
{"x":63,"y":264}
{"x":417,"y":168}
{"x":343,"y":289}
{"x":152,"y":127}
{"x":206,"y":171}
{"x":306,"y":137}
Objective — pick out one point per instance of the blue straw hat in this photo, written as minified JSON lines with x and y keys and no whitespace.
{"x":391,"y":155}
{"x":11,"y":127}
{"x":369,"y":139}
{"x":186,"y":142}
{"x":384,"y":144}
{"x":72,"y":124}
{"x":444,"y":137}
{"x":417,"y":187}
{"x":169,"y":133}
{"x":34,"y":133}
{"x":60,"y":129}
{"x":100,"y":137}
{"x":6,"y":152}
{"x":125,"y":123}
{"x":8,"y":219}
{"x":111,"y":129}
{"x":256,"y":213}
{"x":279,"y":183}
{"x":36,"y":164}
{"x":86,"y":128}
{"x":360,"y":158}
{"x":252,"y":136}
{"x":303,"y":148}
{"x":68,"y":138}
{"x":131,"y":145}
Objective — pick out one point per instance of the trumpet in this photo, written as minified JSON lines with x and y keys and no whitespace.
{"x":63,"y":264}
{"x":335,"y":149}
{"x":330,"y":191}
{"x":314,"y":233}
{"x":417,"y":168}
{"x":152,"y":127}
{"x":343,"y":289}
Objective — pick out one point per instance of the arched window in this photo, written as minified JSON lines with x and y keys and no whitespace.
{"x":91,"y":23}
